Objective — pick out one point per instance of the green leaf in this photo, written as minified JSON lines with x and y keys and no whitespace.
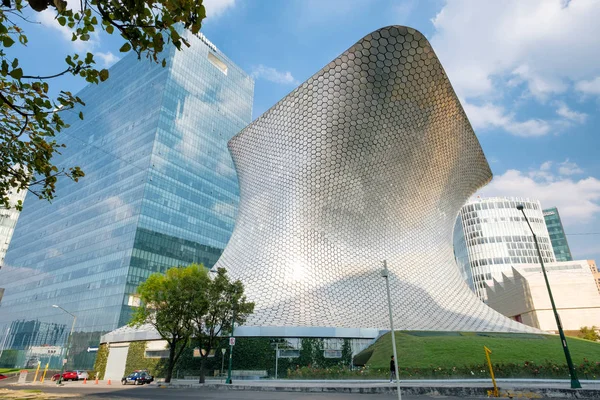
{"x":125,"y":48}
{"x":85,"y":37}
{"x":7,"y":41}
{"x":110,"y":29}
{"x":62,"y":20}
{"x":103,"y":75}
{"x":16,"y":73}
{"x":164,"y":62}
{"x":80,"y":115}
{"x":15,"y":63}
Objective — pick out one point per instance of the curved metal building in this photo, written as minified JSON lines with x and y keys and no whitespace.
{"x":369,"y":159}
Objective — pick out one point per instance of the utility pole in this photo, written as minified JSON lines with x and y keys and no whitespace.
{"x":62,"y":368}
{"x":563,"y":340}
{"x":385,"y":274}
{"x":276,"y":357}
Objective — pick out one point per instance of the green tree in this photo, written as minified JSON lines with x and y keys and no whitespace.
{"x":214,"y":311}
{"x":590,"y":333}
{"x":30,"y":115}
{"x":167,"y":302}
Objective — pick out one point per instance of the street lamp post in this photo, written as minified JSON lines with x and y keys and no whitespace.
{"x":574,"y":381}
{"x":228,"y":380}
{"x":385,"y":274}
{"x":62,"y":368}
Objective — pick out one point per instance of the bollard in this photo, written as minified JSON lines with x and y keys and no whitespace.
{"x":84,"y":381}
{"x":108,"y":383}
{"x":96,"y":380}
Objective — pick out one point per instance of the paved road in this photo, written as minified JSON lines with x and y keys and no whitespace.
{"x":152,"y":392}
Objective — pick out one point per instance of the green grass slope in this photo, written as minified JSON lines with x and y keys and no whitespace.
{"x":447,"y":349}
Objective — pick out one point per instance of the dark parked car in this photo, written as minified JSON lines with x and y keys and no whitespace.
{"x":67,"y":376}
{"x":137,"y":378}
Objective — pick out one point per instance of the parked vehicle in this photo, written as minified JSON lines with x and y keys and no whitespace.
{"x":82,"y":375}
{"x":3,"y":376}
{"x":67,"y":376}
{"x":137,"y":378}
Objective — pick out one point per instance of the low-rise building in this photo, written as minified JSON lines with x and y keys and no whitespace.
{"x":523,"y":296}
{"x":595,"y":272}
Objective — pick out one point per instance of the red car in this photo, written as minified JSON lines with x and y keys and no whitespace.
{"x":67,"y":376}
{"x":3,"y":376}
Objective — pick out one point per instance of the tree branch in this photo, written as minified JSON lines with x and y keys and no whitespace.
{"x":15,"y":108}
{"x":74,"y":70}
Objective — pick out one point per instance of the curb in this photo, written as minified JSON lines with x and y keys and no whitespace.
{"x":457,"y":391}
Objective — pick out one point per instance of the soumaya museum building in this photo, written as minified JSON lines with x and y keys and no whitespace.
{"x":160,"y":190}
{"x":370,"y":159}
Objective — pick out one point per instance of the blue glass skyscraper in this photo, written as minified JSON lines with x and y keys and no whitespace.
{"x":160,"y":190}
{"x":560,"y":245}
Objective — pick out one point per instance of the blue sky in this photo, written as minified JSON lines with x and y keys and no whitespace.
{"x":527,"y":74}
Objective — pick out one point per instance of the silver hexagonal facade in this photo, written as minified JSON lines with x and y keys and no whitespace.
{"x":369,"y":159}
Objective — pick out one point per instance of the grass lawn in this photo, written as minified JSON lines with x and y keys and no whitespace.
{"x":424,"y":349}
{"x":9,"y":370}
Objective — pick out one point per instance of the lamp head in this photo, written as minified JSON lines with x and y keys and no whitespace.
{"x":54,"y":305}
{"x":520,"y":207}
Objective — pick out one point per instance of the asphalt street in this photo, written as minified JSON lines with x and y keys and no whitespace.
{"x":152,"y":392}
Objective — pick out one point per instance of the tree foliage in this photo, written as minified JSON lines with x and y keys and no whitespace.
{"x":590,"y":333}
{"x":186,"y":304}
{"x":215,"y":310}
{"x":30,"y":116}
{"x":166,"y":304}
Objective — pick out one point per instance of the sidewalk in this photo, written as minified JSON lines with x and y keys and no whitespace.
{"x":514,"y":388}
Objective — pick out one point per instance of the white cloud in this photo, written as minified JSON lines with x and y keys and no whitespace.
{"x":107,"y":58}
{"x":491,"y":116}
{"x":567,"y":168}
{"x":546,"y":44}
{"x":272,"y":75}
{"x":488,"y":116}
{"x":591,"y":86}
{"x":565,"y":112}
{"x":214,"y":8}
{"x":577,"y":200}
{"x":546,"y":166}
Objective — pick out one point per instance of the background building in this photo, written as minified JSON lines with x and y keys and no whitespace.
{"x":557,"y":235}
{"x":8,"y":222}
{"x":521,"y":294}
{"x":491,"y":236}
{"x":160,"y":190}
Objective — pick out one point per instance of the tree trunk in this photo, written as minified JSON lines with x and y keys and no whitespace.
{"x":202,"y":378}
{"x":171,"y":364}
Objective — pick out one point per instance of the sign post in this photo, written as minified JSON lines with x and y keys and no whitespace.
{"x":45,"y":370}
{"x":231,"y":344}
{"x":489,"y":360}
{"x":223,"y":350}
{"x":37,"y":371}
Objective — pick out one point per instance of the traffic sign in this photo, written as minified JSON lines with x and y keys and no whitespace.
{"x":232,"y":341}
